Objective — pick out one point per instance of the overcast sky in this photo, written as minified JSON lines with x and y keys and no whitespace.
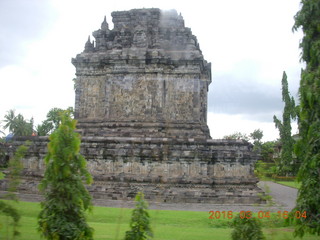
{"x":249,"y":43}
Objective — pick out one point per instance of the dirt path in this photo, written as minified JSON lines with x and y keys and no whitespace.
{"x":284,"y":198}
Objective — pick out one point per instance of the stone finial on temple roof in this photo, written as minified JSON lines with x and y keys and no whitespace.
{"x":104,"y":24}
{"x":89,"y":47}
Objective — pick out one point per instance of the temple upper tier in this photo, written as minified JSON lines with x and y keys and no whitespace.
{"x":145,"y":77}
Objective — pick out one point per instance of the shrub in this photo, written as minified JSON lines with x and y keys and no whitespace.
{"x":140,"y":223}
{"x":246,"y":229}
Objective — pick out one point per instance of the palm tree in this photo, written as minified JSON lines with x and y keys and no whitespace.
{"x":18,"y":125}
{"x":9,"y":119}
{"x":22,"y":127}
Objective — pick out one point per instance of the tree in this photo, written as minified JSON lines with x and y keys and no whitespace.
{"x":22,"y":127}
{"x":237,"y":136}
{"x":286,"y":164}
{"x":62,"y":214}
{"x":267,"y":151}
{"x":45,"y":128}
{"x":308,"y":146}
{"x":140,"y":223}
{"x":256,"y":136}
{"x":9,"y":120}
{"x":18,"y":125}
{"x":52,"y":122}
{"x":53,"y":116}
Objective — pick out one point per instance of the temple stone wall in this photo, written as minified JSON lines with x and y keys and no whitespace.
{"x":167,"y":170}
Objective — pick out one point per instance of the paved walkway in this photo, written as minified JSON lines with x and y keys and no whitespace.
{"x":283,"y":197}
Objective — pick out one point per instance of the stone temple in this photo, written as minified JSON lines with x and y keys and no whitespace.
{"x":145,"y":78}
{"x":141,"y":105}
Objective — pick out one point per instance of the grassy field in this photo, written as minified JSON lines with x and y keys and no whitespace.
{"x":289,"y":183}
{"x":111,"y":223}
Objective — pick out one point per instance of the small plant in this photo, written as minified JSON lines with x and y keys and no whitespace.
{"x":15,"y":168}
{"x":140,"y":223}
{"x":266,"y":195}
{"x":246,"y":229}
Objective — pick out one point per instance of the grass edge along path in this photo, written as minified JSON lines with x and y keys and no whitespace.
{"x":292,"y":184}
{"x":111,"y":223}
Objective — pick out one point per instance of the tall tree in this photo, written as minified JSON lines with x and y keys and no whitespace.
{"x":9,"y":120}
{"x":308,"y":147}
{"x":62,"y":214}
{"x":286,"y":164}
{"x":22,"y":127}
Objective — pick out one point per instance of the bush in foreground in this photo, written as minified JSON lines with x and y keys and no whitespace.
{"x":246,"y":229}
{"x":66,"y":199}
{"x":140,"y":223}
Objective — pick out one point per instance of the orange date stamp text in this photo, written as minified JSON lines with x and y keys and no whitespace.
{"x":260,"y":214}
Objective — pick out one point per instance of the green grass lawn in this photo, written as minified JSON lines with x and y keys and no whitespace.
{"x":290,"y":183}
{"x":111,"y":223}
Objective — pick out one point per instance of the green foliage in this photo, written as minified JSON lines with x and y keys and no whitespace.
{"x":52,"y":122}
{"x":237,"y":136}
{"x":44,"y":128}
{"x":140,"y":223}
{"x":108,"y":224}
{"x":286,"y":164}
{"x":9,"y":120}
{"x":289,"y":183}
{"x":53,"y":116}
{"x":10,"y":211}
{"x":66,"y":199}
{"x":307,"y":148}
{"x":267,"y":151}
{"x":18,"y":125}
{"x":256,"y":136}
{"x":264,"y":170}
{"x":15,"y":168}
{"x":266,"y":196}
{"x":246,"y":229}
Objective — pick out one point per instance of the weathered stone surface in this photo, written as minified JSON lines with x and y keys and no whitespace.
{"x":169,"y":170}
{"x":145,"y":77}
